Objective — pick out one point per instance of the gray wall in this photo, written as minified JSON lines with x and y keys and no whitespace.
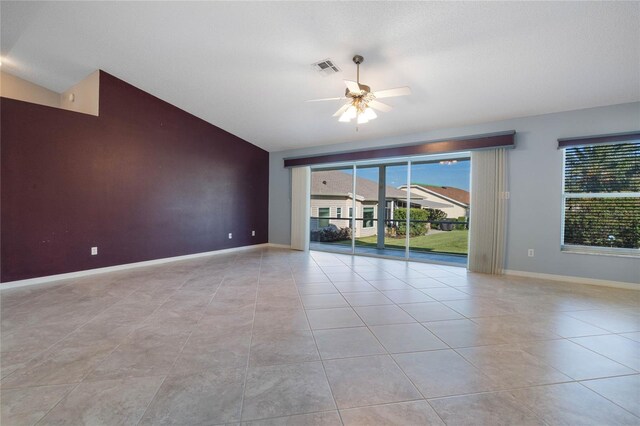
{"x":535,"y":179}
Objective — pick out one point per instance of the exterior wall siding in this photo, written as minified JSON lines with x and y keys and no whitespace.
{"x":452,"y":212}
{"x":345,"y":203}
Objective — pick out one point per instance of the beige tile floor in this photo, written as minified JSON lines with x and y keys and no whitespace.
{"x":274,"y":337}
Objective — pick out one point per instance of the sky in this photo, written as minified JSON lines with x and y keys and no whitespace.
{"x":456,"y":175}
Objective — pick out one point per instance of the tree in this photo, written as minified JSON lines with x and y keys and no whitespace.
{"x":603,"y":168}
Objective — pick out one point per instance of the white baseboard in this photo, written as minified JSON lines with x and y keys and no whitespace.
{"x":283,"y":246}
{"x":572,"y":279}
{"x":78,"y":274}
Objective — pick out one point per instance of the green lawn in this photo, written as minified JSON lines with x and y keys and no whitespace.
{"x":454,"y":242}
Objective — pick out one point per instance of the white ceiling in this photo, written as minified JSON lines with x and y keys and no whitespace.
{"x":245,"y":67}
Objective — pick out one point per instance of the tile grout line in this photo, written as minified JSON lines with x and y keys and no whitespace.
{"x":603,"y":396}
{"x":324,"y":369}
{"x":598,"y":353}
{"x":389,"y":355}
{"x":107,"y":356}
{"x":290,"y":264}
{"x":469,"y":318}
{"x":44,"y":351}
{"x":560,"y":338}
{"x":413,"y":384}
{"x":253,"y":321}
{"x":181,"y":349}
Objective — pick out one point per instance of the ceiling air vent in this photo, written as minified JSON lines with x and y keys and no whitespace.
{"x":325,"y":67}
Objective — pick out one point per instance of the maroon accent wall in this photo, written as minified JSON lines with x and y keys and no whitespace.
{"x":503,"y":139}
{"x":144,"y":180}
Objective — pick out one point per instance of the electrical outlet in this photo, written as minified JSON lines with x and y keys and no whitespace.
{"x":94,"y":251}
{"x":230,"y":235}
{"x":253,"y":233}
{"x":530,"y":253}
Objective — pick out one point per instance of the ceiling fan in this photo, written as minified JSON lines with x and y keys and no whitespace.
{"x":361,"y":101}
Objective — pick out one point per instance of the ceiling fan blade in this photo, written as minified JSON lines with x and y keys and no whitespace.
{"x":342,"y":109}
{"x":352,"y":86}
{"x":398,"y":91}
{"x":326,"y":99}
{"x":379,"y":106}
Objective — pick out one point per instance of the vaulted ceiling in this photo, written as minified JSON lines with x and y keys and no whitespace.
{"x":245,"y":66}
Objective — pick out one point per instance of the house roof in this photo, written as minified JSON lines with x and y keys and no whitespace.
{"x":450,"y":192}
{"x":335,"y":182}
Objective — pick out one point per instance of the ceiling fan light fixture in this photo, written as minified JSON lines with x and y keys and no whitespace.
{"x":345,"y":117}
{"x":370,"y":114}
{"x":362,"y":118}
{"x":349,"y":114}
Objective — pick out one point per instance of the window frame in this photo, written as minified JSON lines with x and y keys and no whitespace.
{"x":373,"y":217}
{"x":320,"y":218}
{"x":592,"y":250}
{"x":339,"y":212}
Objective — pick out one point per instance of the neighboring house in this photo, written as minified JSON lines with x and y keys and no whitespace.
{"x":332,"y":197}
{"x":458,"y":199}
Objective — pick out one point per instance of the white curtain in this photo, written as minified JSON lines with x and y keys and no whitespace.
{"x":300,"y":207}
{"x":488,"y":222}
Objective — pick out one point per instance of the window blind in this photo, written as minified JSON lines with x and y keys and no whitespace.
{"x":300,"y":207}
{"x":602,"y":196}
{"x":488,"y":215}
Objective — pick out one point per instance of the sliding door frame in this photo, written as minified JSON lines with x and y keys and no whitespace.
{"x":408,"y":161}
{"x":354,"y":203}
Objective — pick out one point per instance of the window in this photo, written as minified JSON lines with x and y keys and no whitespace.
{"x":367,"y":215}
{"x":339,"y":212}
{"x":350,"y":212}
{"x":323,"y":215}
{"x":602,"y":198}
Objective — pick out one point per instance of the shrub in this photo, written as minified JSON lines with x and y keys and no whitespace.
{"x":590,"y":222}
{"x":461,"y":226}
{"x":435,"y":215}
{"x":330,"y":233}
{"x":416,"y":228}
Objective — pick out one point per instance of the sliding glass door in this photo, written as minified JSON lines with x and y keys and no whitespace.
{"x":366,"y":207}
{"x":440,"y":210}
{"x":331,"y":209}
{"x":405,"y":209}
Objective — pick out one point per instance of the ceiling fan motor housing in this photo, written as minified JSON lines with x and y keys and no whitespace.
{"x":363,"y":87}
